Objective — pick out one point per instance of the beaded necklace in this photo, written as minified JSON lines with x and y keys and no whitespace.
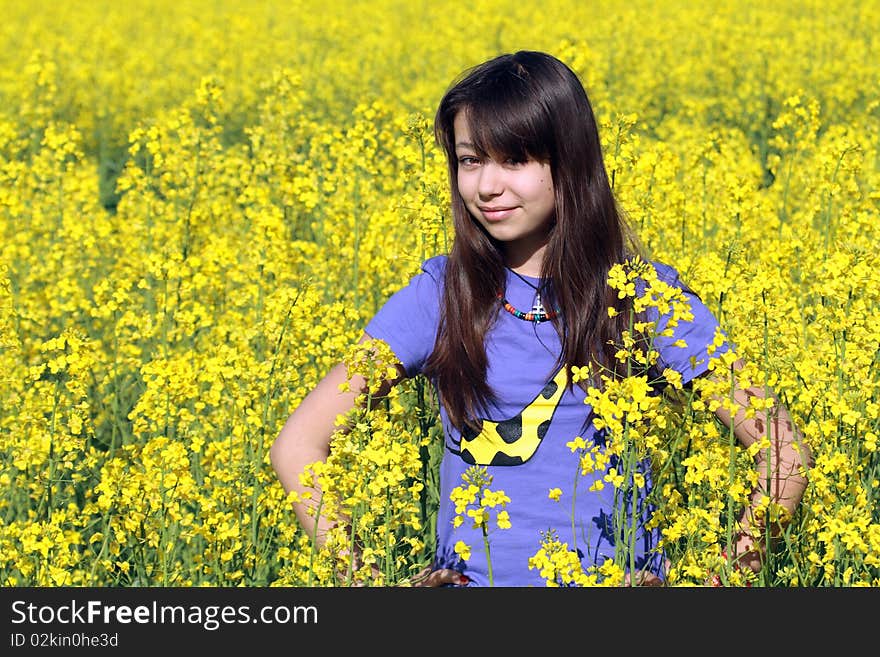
{"x":537,"y":314}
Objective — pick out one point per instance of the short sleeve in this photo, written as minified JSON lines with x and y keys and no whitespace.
{"x":408,"y":320}
{"x":687,"y":349}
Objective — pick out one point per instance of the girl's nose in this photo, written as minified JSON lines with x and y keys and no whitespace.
{"x":491,"y":180}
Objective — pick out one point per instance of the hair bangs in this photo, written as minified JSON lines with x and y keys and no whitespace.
{"x":507,"y":123}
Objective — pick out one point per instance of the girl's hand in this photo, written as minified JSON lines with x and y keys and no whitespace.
{"x":748,"y":553}
{"x":643,"y":579}
{"x":647,"y":579}
{"x":429,"y":577}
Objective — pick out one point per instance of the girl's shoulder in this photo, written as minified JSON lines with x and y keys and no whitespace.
{"x":672,"y":277}
{"x":435,"y":267}
{"x":665,"y":272}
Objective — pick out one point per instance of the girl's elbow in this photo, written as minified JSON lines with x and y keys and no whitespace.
{"x":280,"y":449}
{"x":275,"y":451}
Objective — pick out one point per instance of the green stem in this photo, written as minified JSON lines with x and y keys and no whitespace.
{"x":389,"y":557}
{"x":254,"y":531}
{"x":51,"y":472}
{"x":314,"y":549}
{"x":577,"y":475}
{"x":106,"y":540}
{"x":488,"y":557}
{"x":731,"y":470}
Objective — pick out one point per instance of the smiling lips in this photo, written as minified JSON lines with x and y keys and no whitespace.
{"x":497,"y":213}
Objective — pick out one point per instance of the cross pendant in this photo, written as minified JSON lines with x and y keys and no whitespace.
{"x":538,"y":307}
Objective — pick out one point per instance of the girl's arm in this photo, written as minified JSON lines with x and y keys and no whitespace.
{"x":305,"y":437}
{"x":782,"y":469}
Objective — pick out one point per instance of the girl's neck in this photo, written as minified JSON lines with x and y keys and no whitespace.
{"x":527,"y":262}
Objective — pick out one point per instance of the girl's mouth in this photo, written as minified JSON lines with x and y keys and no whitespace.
{"x":496,"y":213}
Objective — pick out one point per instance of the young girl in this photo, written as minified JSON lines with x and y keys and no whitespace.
{"x":498,"y":323}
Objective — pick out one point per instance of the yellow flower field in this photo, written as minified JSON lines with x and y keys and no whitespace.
{"x":203,"y":201}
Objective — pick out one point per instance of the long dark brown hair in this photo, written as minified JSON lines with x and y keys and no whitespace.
{"x":528,"y":105}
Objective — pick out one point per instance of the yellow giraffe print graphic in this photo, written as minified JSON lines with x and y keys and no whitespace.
{"x":514,"y":441}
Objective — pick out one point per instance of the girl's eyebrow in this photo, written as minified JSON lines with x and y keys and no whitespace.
{"x":465,"y":144}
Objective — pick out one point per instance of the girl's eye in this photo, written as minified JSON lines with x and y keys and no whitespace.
{"x":514,"y":162}
{"x":468,"y":161}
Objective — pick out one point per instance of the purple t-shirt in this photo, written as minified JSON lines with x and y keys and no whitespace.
{"x":523,"y":443}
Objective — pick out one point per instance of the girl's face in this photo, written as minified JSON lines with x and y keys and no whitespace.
{"x":513,"y":201}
